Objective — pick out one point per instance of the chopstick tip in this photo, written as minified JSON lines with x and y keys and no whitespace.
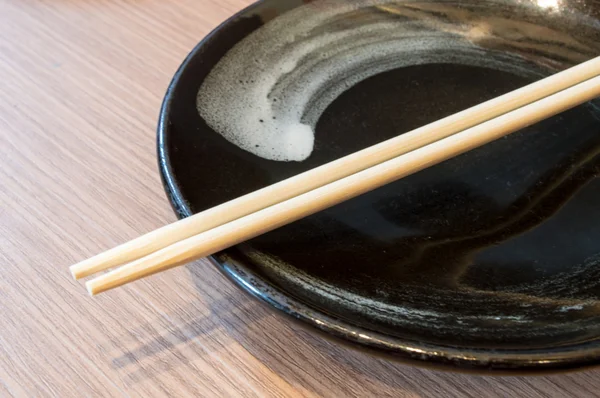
{"x":90,"y":288}
{"x":83,"y":269}
{"x":74,"y":272}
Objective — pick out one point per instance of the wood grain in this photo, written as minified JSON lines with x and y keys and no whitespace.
{"x":82,"y":82}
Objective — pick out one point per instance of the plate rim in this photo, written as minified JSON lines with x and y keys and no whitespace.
{"x":506,"y":361}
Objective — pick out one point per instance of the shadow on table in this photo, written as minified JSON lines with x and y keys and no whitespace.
{"x":313,"y":364}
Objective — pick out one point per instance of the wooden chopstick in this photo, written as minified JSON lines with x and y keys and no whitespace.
{"x":335,"y":170}
{"x":285,"y":212}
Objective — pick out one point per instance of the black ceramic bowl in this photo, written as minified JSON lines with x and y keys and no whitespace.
{"x":488,"y":261}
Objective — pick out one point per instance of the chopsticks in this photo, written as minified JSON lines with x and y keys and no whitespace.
{"x":325,"y":186}
{"x":335,"y":170}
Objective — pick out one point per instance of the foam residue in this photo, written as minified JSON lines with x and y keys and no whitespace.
{"x":268,"y":92}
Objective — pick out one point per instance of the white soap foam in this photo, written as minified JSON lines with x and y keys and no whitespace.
{"x":268,"y":92}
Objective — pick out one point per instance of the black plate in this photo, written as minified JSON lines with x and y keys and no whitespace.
{"x":488,"y":261}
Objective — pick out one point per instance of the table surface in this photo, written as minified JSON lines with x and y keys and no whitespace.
{"x":82,"y":83}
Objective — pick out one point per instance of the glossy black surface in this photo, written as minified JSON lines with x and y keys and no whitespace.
{"x":488,"y":261}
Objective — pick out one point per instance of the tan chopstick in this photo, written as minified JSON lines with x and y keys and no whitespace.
{"x":335,"y":170}
{"x":283,"y":213}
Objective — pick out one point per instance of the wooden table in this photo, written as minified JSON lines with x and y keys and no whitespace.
{"x":81,"y":85}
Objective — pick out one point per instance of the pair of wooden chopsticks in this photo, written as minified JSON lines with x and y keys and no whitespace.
{"x":276,"y":205}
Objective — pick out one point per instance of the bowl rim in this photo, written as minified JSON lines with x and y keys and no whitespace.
{"x":478,"y":360}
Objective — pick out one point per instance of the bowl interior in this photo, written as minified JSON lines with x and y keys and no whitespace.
{"x":494,"y":250}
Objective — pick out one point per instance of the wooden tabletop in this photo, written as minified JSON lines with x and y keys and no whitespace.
{"x":81,"y":85}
